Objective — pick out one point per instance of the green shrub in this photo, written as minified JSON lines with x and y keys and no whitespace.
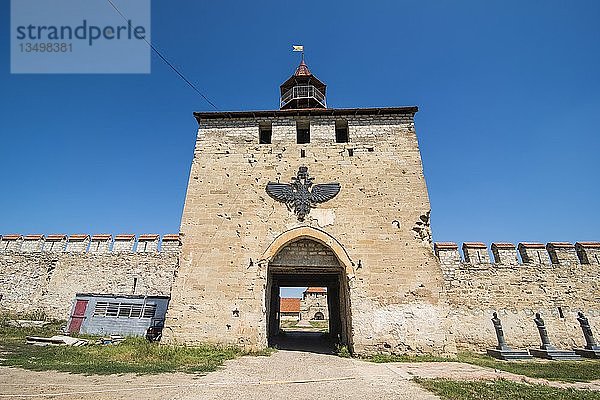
{"x":342,"y":351}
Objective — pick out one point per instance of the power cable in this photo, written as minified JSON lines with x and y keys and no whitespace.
{"x":158,"y":53}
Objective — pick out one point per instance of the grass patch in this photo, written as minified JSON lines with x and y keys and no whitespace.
{"x":134,"y":355}
{"x":288,"y":323}
{"x":500,"y":390}
{"x":567,"y":371}
{"x":386,"y":358}
{"x":266,"y":352}
{"x":342,"y":351}
{"x":313,"y":326}
{"x":319,"y":324}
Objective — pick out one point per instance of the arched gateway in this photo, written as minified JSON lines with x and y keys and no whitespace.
{"x":307,"y":256}
{"x":309,"y":196}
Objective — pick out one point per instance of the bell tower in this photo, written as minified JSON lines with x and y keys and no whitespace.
{"x":302,"y":90}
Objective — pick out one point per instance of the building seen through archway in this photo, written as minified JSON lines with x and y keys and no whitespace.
{"x":320,"y":319}
{"x":313,"y":305}
{"x":303,"y":312}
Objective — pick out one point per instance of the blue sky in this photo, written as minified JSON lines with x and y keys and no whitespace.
{"x":509,"y":98}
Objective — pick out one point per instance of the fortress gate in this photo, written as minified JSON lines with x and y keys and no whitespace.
{"x":309,"y":195}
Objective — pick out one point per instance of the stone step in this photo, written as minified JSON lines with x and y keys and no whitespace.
{"x":555,"y":354}
{"x":509,"y":354}
{"x":588,"y":353}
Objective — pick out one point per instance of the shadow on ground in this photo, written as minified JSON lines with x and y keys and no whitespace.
{"x":312,"y":342}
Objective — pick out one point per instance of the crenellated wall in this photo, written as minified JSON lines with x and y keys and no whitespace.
{"x":43,"y":273}
{"x":557,"y":279}
{"x":83,"y":243}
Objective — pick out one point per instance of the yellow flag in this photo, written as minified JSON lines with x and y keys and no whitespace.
{"x":298,"y":48}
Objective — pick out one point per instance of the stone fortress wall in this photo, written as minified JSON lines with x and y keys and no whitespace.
{"x":43,"y":273}
{"x":557,"y":279}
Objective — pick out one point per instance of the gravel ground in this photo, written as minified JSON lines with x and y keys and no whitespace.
{"x":284,"y":375}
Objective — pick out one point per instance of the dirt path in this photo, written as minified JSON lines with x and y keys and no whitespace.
{"x":284,"y":375}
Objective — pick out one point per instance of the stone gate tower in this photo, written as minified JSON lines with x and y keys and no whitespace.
{"x":309,"y":196}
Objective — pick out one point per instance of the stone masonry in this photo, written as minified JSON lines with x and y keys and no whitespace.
{"x":379,"y":220}
{"x":47,"y":280}
{"x":548,"y":280}
{"x":314,"y":300}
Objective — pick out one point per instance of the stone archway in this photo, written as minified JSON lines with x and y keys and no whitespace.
{"x":306,"y":232}
{"x":310,"y":257}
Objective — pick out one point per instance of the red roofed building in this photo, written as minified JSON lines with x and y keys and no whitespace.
{"x":289,"y":308}
{"x":312,"y":306}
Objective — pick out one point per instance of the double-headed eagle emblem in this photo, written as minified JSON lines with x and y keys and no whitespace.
{"x":301,"y":195}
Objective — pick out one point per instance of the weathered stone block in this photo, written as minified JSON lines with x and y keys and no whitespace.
{"x":588,"y":252}
{"x":123,"y":243}
{"x":171,"y":243}
{"x":100,"y":243}
{"x":533,"y":253}
{"x":10,"y":243}
{"x":78,"y":243}
{"x":32,"y":243}
{"x":562,"y":253}
{"x":476,"y":253}
{"x":147,"y":243}
{"x":55,"y":243}
{"x":505,"y":253}
{"x":447,"y":253}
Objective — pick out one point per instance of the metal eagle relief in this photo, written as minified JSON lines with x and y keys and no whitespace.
{"x":302,"y":194}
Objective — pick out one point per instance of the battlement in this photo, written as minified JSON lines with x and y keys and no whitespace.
{"x":84,"y":243}
{"x":507,"y":254}
{"x":334,"y":127}
{"x":556,"y":279}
